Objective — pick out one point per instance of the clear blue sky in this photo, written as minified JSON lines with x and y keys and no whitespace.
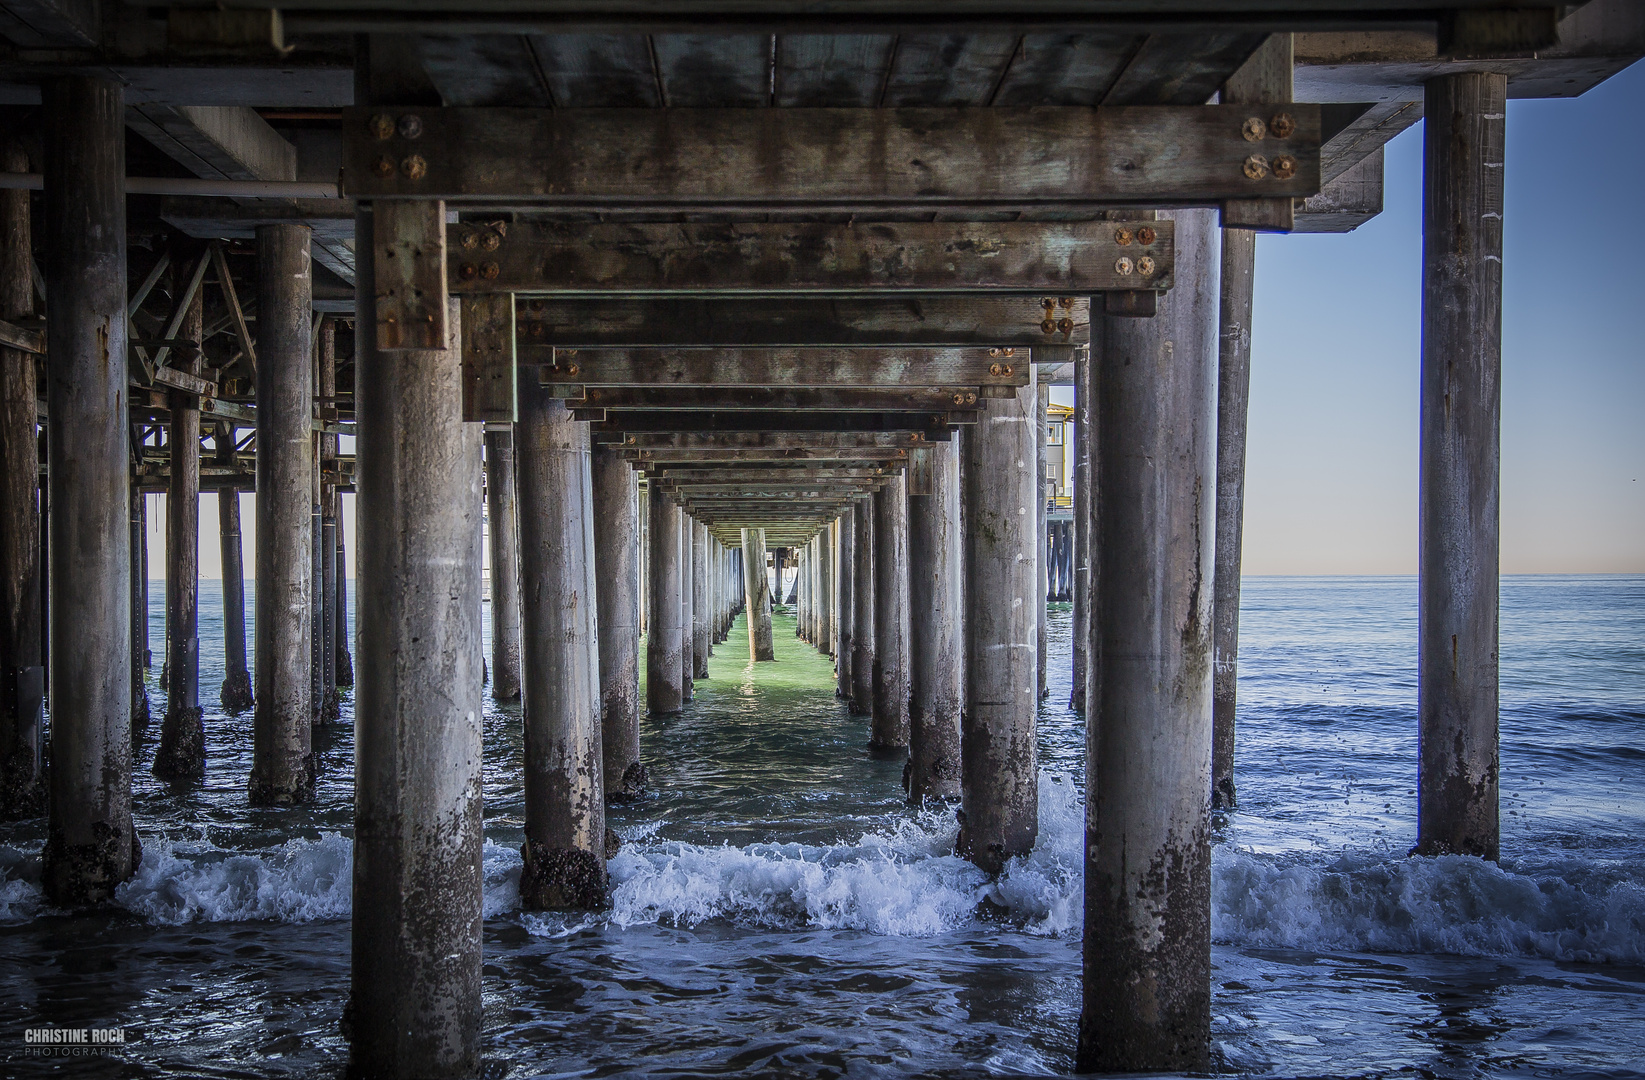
{"x":1332,"y":468}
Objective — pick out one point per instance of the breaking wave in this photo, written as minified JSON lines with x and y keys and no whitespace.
{"x":902,"y":879}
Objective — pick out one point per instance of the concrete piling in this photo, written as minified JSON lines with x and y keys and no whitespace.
{"x":564,"y":850}
{"x":22,"y":673}
{"x":864,"y":608}
{"x":757,"y":595}
{"x":181,"y":754}
{"x":1084,"y":404}
{"x":345,"y":658}
{"x":91,"y":846}
{"x":845,"y":602}
{"x":664,"y":670}
{"x":688,"y":608}
{"x":702,"y":601}
{"x":890,"y":718}
{"x":1042,"y":403}
{"x":1000,"y":766}
{"x":1148,"y":857}
{"x":935,"y":662}
{"x":414,"y":1009}
{"x":617,"y":609}
{"x":1458,"y":545}
{"x":139,"y":612}
{"x":1239,"y":251}
{"x":235,"y":693}
{"x":504,"y":535}
{"x":825,"y":589}
{"x":282,"y":770}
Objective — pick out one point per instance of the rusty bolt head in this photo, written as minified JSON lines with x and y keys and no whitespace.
{"x":1256,"y":167}
{"x":1254,"y":129}
{"x":1285,"y":167}
{"x":381,"y":126}
{"x":491,"y":241}
{"x":1008,"y":369}
{"x":1122,"y":266}
{"x":959,"y":399}
{"x":1145,"y":266}
{"x":1065,"y":302}
{"x":467,"y":272}
{"x":1009,"y":352}
{"x":1048,"y":303}
{"x":1065,"y":326}
{"x":1282,"y":126}
{"x":383,"y":167}
{"x":996,"y":369}
{"x":411,"y":126}
{"x":490,"y":271}
{"x":994,"y":352}
{"x":572,"y":369}
{"x":1146,"y":235}
{"x":970,"y":399}
{"x":414,"y":167}
{"x":1122,"y":236}
{"x":469,"y":239}
{"x":1048,"y":326}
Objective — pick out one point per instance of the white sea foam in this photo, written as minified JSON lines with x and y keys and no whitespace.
{"x":902,"y":879}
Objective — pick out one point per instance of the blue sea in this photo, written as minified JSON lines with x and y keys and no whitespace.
{"x":778,"y":911}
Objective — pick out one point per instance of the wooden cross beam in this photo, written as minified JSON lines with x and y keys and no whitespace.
{"x":786,"y":258}
{"x":763,"y":440}
{"x":933,"y":425}
{"x":1006,"y":368}
{"x":854,"y":399}
{"x":936,"y":322}
{"x":833,"y":160}
{"x":649,"y":459}
{"x":678,"y":476}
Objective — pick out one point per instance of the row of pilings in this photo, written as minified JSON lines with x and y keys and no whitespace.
{"x":1155,"y":433}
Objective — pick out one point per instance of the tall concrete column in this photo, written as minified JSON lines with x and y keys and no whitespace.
{"x":935,"y":648}
{"x":688,"y":608}
{"x":1084,"y":403}
{"x":845,"y":603}
{"x":345,"y":658}
{"x":1148,"y":855}
{"x":757,"y":591}
{"x":1239,"y":256}
{"x":825,"y":590}
{"x":664,"y":670}
{"x":181,"y":754}
{"x":617,"y":604}
{"x":1042,"y":646}
{"x":415,"y":1004}
{"x":1459,"y":531}
{"x":890,"y":724}
{"x":236,"y":690}
{"x":91,"y":846}
{"x":282,"y":769}
{"x":865,"y":636}
{"x":564,"y":850}
{"x":330,"y":524}
{"x":22,"y":675}
{"x":999,"y":787}
{"x":503,"y":518}
{"x":139,"y":609}
{"x":702,"y":600}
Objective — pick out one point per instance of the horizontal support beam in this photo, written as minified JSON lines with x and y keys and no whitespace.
{"x":13,"y":336}
{"x":933,"y":425}
{"x":764,"y":440}
{"x":940,"y":322}
{"x":788,"y":367}
{"x":182,"y":380}
{"x":749,"y":258}
{"x":646,"y":459}
{"x":849,"y":398}
{"x":950,"y":159}
{"x":678,"y":476}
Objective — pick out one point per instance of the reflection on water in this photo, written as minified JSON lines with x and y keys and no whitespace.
{"x":778,"y":911}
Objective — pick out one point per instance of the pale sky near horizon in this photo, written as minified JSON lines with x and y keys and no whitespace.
{"x":1331,"y":472}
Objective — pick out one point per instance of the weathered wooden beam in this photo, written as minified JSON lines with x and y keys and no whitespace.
{"x":13,"y":336}
{"x":490,"y":389}
{"x":639,"y":258}
{"x":642,"y":459}
{"x":953,"y":160}
{"x":792,"y":367}
{"x":1263,"y":86}
{"x":409,"y":238}
{"x":681,"y":476}
{"x":934,"y":425}
{"x":939,"y":322}
{"x":182,"y":380}
{"x":768,"y":440}
{"x":849,"y":398}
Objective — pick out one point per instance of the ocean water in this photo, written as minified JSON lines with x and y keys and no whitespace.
{"x":777,"y":911}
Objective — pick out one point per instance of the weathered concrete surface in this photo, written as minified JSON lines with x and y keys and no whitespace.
{"x":1084,"y":433}
{"x":688,"y":607}
{"x":1147,"y":849}
{"x":22,"y":676}
{"x":825,"y":589}
{"x":702,"y":600}
{"x":1458,"y":539}
{"x":865,"y":636}
{"x":664,"y":671}
{"x":889,"y":730}
{"x":91,"y":846}
{"x":503,"y":518}
{"x":181,"y":754}
{"x":235,"y":694}
{"x":1000,"y":768}
{"x":414,"y":1011}
{"x":1042,"y":403}
{"x":845,"y":602}
{"x":936,"y":682}
{"x":617,"y":607}
{"x":1239,"y":256}
{"x":564,"y":770}
{"x":282,"y":770}
{"x":757,"y":596}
